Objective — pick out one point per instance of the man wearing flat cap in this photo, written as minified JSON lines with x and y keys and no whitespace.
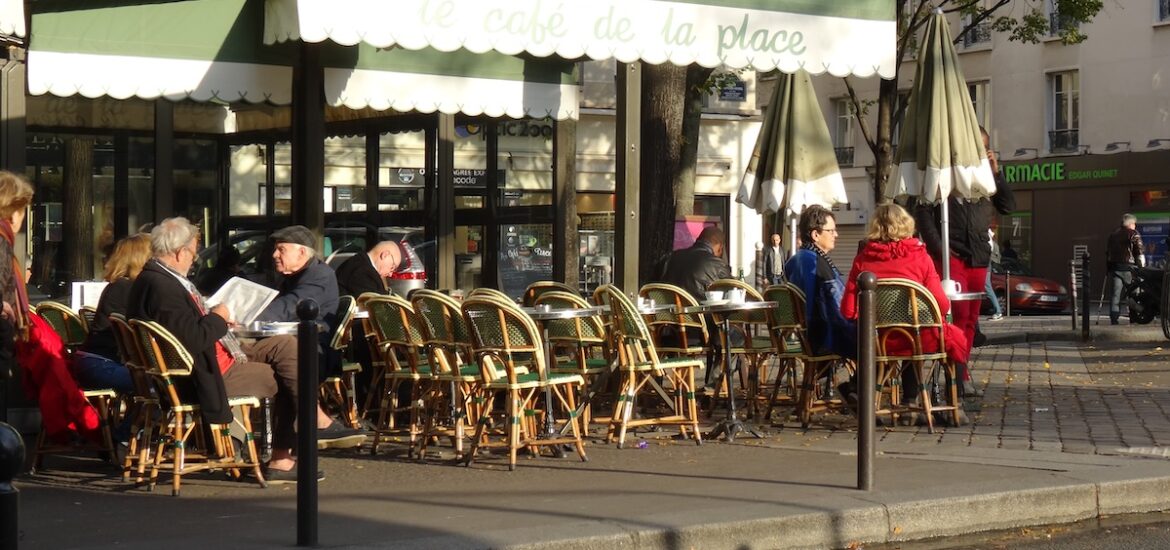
{"x":305,"y":276}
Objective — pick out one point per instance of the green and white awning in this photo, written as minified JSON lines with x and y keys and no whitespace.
{"x":211,"y":50}
{"x":841,"y":37}
{"x":793,"y":164}
{"x":12,"y":17}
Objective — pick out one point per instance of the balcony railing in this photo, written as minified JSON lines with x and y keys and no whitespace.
{"x":1058,"y":23}
{"x":981,"y":34}
{"x":844,"y":156}
{"x":1064,"y":141}
{"x":1163,"y":10}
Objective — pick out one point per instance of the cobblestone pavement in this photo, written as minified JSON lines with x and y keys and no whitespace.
{"x":1110,"y":397}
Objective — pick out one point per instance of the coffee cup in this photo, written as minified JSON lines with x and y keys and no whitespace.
{"x":950,"y":288}
{"x":737,"y":296}
{"x":714,"y":295}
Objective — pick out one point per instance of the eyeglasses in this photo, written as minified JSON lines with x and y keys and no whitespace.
{"x":833,"y":230}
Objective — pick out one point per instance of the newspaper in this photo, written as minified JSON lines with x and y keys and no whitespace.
{"x":243,"y":298}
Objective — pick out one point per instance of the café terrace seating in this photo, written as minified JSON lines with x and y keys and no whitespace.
{"x":755,"y":349}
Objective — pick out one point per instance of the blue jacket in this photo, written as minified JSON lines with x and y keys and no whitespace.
{"x":828,"y":330}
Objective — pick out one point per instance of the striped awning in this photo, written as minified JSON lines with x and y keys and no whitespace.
{"x":840,"y":37}
{"x":12,"y":17}
{"x":211,"y":50}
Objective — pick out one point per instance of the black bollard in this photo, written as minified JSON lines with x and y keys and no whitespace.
{"x":307,"y":341}
{"x":1085,"y":296}
{"x":11,"y":463}
{"x":866,"y":378}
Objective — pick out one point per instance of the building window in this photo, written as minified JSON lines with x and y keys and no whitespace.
{"x":1065,"y":119}
{"x":896,"y":132}
{"x":1058,"y":22}
{"x":1163,"y":10}
{"x":981,"y":101}
{"x":843,"y":130}
{"x":979,"y":34}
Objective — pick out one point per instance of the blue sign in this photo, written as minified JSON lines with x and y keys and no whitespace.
{"x":735,"y":92}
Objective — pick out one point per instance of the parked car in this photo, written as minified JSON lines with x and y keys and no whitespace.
{"x":1029,"y":294}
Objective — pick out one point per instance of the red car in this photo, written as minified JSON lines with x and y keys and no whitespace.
{"x":1029,"y":294}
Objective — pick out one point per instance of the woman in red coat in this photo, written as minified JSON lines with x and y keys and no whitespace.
{"x":892,"y":251}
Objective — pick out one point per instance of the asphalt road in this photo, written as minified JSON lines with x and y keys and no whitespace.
{"x":1131,"y":532}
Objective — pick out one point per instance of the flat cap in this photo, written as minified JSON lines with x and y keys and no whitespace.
{"x":296,"y":234}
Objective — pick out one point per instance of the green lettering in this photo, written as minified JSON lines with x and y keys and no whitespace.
{"x":1034,"y":174}
{"x":1059,"y":171}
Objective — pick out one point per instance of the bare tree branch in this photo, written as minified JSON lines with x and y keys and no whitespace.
{"x":862,"y":124}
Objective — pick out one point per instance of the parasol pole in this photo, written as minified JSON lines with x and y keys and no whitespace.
{"x":791,"y":233}
{"x":946,"y":246}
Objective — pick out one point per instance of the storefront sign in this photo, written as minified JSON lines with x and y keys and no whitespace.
{"x":510,"y":128}
{"x":464,"y":177}
{"x":1056,"y":171}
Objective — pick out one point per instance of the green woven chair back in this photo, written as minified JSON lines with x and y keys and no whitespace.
{"x":445,"y":330}
{"x":166,"y":358}
{"x":68,"y":325}
{"x":750,"y":295}
{"x":587,"y":330}
{"x":534,"y":290}
{"x":502,"y":335}
{"x":631,"y":328}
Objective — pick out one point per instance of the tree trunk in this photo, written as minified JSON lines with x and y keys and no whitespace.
{"x":671,"y":109}
{"x":883,"y":149}
{"x":77,"y":210}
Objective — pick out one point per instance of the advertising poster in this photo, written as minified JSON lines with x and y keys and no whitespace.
{"x":1154,"y":229}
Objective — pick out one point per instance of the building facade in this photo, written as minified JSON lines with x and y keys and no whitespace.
{"x":1082,"y":130}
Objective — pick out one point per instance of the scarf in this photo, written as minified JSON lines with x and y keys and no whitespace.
{"x":229,"y":340}
{"x":823,"y":255}
{"x":21,"y":306}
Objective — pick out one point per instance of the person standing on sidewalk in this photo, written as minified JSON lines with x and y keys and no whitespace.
{"x":1123,"y":252}
{"x":988,"y":289}
{"x":970,"y":250}
{"x":774,"y":261}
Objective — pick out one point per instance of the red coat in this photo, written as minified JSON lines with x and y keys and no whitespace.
{"x":905,"y":259}
{"x":45,"y":376}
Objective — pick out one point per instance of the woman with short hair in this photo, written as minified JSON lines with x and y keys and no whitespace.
{"x":814,"y":273}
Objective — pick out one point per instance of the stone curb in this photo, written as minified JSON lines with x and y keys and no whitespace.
{"x":873,"y":522}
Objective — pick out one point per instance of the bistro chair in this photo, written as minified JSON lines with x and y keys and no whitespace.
{"x":534,"y":291}
{"x":755,"y":350}
{"x":786,"y":328}
{"x":183,"y":447}
{"x":400,"y":345}
{"x":907,"y":311}
{"x":491,"y":292}
{"x":818,"y":367}
{"x":68,"y":325}
{"x":87,"y":314}
{"x":504,"y":338}
{"x":377,"y":364}
{"x":339,"y":389}
{"x":145,"y":399}
{"x":455,"y":392}
{"x":583,"y":340}
{"x":675,"y":333}
{"x":639,"y":366}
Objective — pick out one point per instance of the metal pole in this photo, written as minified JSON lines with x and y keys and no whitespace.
{"x":866,"y":352}
{"x":11,"y":463}
{"x":307,"y":341}
{"x":946,"y":243}
{"x":1085,"y":296}
{"x":1072,"y":270}
{"x":1007,"y":292}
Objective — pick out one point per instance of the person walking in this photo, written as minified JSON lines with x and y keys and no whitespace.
{"x":996,"y":258}
{"x":1123,"y":252}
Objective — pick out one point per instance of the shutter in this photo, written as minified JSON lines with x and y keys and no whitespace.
{"x":848,"y":238}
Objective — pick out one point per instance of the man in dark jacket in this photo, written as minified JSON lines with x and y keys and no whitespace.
{"x":970,"y":248}
{"x":367,"y":272}
{"x":1123,"y":252}
{"x":305,"y":277}
{"x":774,"y":261}
{"x":695,"y":267}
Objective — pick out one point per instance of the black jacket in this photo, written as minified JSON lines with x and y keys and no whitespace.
{"x":100,"y":340}
{"x":357,"y":276}
{"x":694,"y":268}
{"x":157,"y":296}
{"x":316,"y":281}
{"x":970,"y":221}
{"x":1123,"y":249}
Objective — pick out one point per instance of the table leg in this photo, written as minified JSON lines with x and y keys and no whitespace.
{"x":550,"y":422}
{"x":731,"y":425}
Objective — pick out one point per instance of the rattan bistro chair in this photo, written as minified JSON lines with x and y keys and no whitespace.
{"x":169,"y":364}
{"x":454,"y":402}
{"x":87,"y":314}
{"x":786,"y":327}
{"x":580,"y":346}
{"x":400,"y":345}
{"x":145,"y":400}
{"x":504,"y":339}
{"x":676,"y":334}
{"x":639,"y":365}
{"x":818,"y":367}
{"x":339,"y":389}
{"x":377,"y":362}
{"x":69,"y":326}
{"x":906,"y":310}
{"x":534,"y":290}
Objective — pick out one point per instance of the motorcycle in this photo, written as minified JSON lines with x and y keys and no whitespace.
{"x":1143,"y":295}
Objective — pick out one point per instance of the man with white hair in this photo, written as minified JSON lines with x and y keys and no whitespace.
{"x":305,"y":276}
{"x":367,"y":272}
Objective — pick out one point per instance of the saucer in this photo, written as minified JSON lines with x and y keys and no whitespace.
{"x":715,"y":302}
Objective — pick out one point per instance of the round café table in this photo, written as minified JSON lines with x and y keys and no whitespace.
{"x":722,"y":310}
{"x":541,"y":314}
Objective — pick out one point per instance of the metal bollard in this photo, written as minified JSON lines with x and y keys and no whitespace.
{"x":264,"y":427}
{"x":1085,"y":296}
{"x":866,"y":379}
{"x":307,"y":340}
{"x":1072,"y":277}
{"x":11,"y":463}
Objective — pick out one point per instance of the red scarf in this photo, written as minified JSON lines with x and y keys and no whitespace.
{"x":21,"y":305}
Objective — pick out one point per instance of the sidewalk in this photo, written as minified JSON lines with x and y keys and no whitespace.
{"x":1062,"y":434}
